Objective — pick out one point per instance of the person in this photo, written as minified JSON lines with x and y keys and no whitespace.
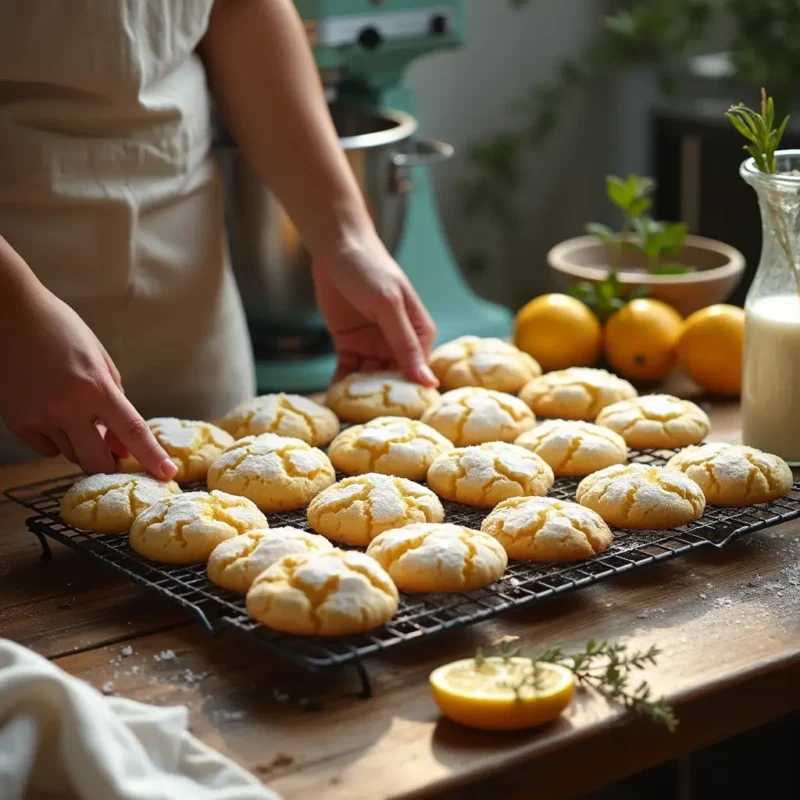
{"x":116,"y":298}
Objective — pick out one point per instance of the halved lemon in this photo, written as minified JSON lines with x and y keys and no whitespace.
{"x":502,"y":694}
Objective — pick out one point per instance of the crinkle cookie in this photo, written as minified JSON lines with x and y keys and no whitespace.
{"x":426,"y":557}
{"x":185,"y":528}
{"x":547,"y":530}
{"x":483,"y":475}
{"x":357,"y":509}
{"x":284,"y":414}
{"x":575,"y":393}
{"x":734,"y":475}
{"x":109,"y":503}
{"x":389,"y":445}
{"x":574,"y":448}
{"x":638,"y":496}
{"x":363,"y":396}
{"x":323,"y":594}
{"x":473,"y":415}
{"x":490,"y":363}
{"x":656,"y":420}
{"x":236,"y":563}
{"x":191,"y":444}
{"x":276,"y":472}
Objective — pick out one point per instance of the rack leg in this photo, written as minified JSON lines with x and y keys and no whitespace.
{"x":366,"y":685}
{"x":46,"y":552}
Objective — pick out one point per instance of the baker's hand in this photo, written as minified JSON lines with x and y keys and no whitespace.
{"x":373,"y":313}
{"x":58,"y":384}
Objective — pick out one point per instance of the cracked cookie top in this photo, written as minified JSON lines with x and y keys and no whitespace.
{"x":547,"y":530}
{"x":191,"y":444}
{"x":473,"y":415}
{"x":277,"y":473}
{"x":389,"y":445}
{"x":363,"y":396}
{"x":485,"y":474}
{"x":490,"y":363}
{"x":186,"y":528}
{"x":573,"y":447}
{"x":426,"y":557}
{"x":656,"y":420}
{"x":645,"y":497}
{"x":109,"y":503}
{"x":284,"y":414}
{"x":357,"y":509}
{"x":575,"y":393}
{"x":734,"y":475}
{"x":328,"y":594}
{"x":236,"y":563}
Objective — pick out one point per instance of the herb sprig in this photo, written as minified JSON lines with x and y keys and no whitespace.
{"x":607,"y":668}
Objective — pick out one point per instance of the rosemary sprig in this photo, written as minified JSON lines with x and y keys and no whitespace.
{"x":606,"y":667}
{"x":764,"y":138}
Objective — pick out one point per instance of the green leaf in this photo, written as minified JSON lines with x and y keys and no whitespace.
{"x":638,"y":207}
{"x":612,"y":279}
{"x":585,"y":292}
{"x":639,"y":292}
{"x":618,"y":192}
{"x":603,"y":232}
{"x":671,"y":269}
{"x":673,"y":236}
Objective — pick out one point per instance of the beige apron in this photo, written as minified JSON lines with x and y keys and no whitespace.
{"x":108,"y":191}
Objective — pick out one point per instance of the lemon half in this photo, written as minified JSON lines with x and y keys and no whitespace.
{"x":483,"y":696}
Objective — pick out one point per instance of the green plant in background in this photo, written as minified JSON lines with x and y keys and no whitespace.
{"x":764,"y":47}
{"x":640,"y":233}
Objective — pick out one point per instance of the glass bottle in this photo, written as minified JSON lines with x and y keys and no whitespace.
{"x":771,"y":377}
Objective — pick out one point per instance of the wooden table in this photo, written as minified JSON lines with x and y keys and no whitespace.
{"x":729,"y":625}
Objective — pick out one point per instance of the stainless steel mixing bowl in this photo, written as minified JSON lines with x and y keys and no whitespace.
{"x":272,"y":267}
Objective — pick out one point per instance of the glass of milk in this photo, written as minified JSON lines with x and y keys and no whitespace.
{"x":771,"y":379}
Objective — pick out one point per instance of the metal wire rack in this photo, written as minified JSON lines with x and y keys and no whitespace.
{"x":419,"y":615}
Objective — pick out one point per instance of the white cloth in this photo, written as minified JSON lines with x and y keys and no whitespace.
{"x":108,"y":192}
{"x":61,"y":738}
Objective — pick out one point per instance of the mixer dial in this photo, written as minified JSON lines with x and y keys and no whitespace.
{"x":370,"y":38}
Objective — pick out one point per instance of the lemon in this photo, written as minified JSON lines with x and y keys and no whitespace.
{"x":558,"y":331}
{"x":483,"y":695}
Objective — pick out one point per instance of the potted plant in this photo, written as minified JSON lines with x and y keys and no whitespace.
{"x":646,"y":256}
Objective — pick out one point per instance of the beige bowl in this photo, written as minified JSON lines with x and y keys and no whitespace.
{"x":719,"y":268}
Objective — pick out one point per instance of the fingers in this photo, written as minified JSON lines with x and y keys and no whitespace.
{"x":346,"y":363}
{"x":121,"y":418}
{"x":62,"y":442}
{"x":112,"y":368}
{"x":420,"y":319}
{"x":90,"y":448}
{"x":404,"y":340}
{"x":40,"y":444}
{"x":117,"y":448}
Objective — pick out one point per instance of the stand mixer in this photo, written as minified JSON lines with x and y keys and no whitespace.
{"x":362,"y":48}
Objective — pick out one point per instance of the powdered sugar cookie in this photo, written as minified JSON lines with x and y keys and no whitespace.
{"x":185,"y":528}
{"x":575,"y":393}
{"x":236,"y":563}
{"x":389,"y":445}
{"x":357,"y":509}
{"x":574,"y":447}
{"x":192,"y":445}
{"x":109,"y":503}
{"x":485,"y":474}
{"x":547,"y":530}
{"x":363,"y":396}
{"x":474,"y":415}
{"x":284,"y":414}
{"x":276,"y":472}
{"x":637,"y":496}
{"x":734,"y":475}
{"x":490,"y":363}
{"x":425,"y":557}
{"x":656,"y":420}
{"x":324,"y":594}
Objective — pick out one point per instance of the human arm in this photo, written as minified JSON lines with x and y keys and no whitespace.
{"x":267,"y":87}
{"x":57,"y":382}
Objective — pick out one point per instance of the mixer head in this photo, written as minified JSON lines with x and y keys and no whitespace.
{"x":369,"y":43}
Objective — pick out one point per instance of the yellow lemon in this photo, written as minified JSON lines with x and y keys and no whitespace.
{"x":711,"y":348}
{"x":641,"y":340}
{"x":558,"y":331}
{"x":502,"y":694}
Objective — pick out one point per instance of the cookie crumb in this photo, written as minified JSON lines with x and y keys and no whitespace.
{"x":126,"y":651}
{"x":167,"y":655}
{"x":108,"y":688}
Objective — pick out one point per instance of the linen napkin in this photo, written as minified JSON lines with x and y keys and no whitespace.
{"x":61,"y":738}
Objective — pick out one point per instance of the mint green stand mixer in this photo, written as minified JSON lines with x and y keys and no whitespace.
{"x":362,"y":48}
